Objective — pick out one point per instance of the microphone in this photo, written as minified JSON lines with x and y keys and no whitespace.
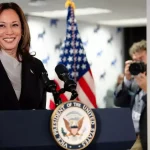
{"x":62,"y":72}
{"x":49,"y":85}
{"x":69,"y":84}
{"x":40,"y":71}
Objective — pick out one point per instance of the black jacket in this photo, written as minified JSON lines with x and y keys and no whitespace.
{"x":124,"y":99}
{"x":33,"y":95}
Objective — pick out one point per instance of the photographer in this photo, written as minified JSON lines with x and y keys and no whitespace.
{"x":132,"y":92}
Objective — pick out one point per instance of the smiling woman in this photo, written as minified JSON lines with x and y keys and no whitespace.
{"x":21,"y":87}
{"x":13,"y":23}
{"x":10,"y":31}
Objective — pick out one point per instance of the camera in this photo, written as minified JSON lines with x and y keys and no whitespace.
{"x":137,"y":67}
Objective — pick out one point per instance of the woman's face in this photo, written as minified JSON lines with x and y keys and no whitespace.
{"x":10,"y":30}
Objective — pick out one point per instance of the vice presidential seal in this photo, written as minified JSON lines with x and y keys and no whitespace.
{"x":73,"y":125}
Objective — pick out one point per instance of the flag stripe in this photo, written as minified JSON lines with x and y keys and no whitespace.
{"x":68,"y":95}
{"x":85,"y":87}
{"x":51,"y":105}
{"x":89,"y":80}
{"x":83,"y":97}
{"x":91,"y":73}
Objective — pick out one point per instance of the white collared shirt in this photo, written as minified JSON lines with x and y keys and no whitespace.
{"x":13,"y":69}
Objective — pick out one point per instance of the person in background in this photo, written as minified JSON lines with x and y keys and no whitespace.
{"x":132,"y":92}
{"x":120,"y":79}
{"x":109,"y":98}
{"x":20,"y":86}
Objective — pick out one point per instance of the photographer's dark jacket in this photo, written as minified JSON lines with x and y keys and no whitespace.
{"x":126,"y":98}
{"x":32,"y":94}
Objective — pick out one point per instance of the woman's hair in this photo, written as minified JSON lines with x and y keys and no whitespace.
{"x":137,"y":47}
{"x":24,"y":44}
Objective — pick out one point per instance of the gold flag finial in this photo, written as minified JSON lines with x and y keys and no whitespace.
{"x":70,"y":3}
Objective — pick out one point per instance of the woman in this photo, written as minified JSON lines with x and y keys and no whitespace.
{"x":20,"y":86}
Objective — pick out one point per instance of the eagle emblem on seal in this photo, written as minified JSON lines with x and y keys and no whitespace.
{"x":73,"y":127}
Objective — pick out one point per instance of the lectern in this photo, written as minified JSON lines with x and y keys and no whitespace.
{"x":30,"y":130}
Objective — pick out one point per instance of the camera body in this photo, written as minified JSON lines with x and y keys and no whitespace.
{"x":137,"y":67}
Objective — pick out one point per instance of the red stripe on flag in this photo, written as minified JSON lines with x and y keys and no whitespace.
{"x":51,"y":105}
{"x":87,"y":91}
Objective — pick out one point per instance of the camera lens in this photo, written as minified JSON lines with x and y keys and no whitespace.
{"x":137,"y":67}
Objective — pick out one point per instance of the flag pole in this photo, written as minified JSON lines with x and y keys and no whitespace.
{"x":70,"y":3}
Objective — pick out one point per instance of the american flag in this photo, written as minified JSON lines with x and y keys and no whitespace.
{"x":74,"y":58}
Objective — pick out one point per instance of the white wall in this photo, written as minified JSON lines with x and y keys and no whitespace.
{"x":105,"y":57}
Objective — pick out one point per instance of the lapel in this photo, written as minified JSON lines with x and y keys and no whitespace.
{"x":26,"y":80}
{"x":23,"y":79}
{"x":29,"y":85}
{"x":6,"y":87}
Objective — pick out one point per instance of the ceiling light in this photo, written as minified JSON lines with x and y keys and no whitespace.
{"x":63,"y":13}
{"x":125,"y":22}
{"x":37,"y":2}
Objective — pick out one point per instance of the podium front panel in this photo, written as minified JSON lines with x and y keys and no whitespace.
{"x":30,"y":129}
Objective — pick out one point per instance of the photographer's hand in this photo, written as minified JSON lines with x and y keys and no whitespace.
{"x":141,"y":80}
{"x":126,"y":70}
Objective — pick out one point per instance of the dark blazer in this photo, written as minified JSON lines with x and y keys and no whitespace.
{"x":32,"y":95}
{"x":124,"y":99}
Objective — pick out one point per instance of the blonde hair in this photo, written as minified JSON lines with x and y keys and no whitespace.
{"x":138,"y":47}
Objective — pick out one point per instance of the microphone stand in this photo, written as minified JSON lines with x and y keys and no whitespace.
{"x":74,"y":95}
{"x":69,"y":86}
{"x":50,"y":86}
{"x":57,"y":99}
